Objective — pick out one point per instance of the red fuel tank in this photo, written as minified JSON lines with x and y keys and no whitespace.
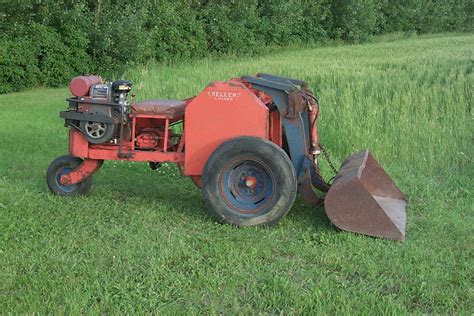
{"x":80,"y":86}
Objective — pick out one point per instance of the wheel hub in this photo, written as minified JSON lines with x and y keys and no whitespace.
{"x":95,"y":129}
{"x":250,"y":182}
{"x":63,"y":186}
{"x":249,"y":186}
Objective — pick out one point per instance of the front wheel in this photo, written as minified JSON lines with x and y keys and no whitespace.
{"x":249,"y":181}
{"x":61,"y":166}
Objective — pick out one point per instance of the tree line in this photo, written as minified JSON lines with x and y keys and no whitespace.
{"x":47,"y":42}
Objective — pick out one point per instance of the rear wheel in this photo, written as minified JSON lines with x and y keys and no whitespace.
{"x":249,"y":181}
{"x":61,"y":166}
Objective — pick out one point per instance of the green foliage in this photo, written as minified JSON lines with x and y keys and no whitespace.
{"x":119,"y":40}
{"x":175,"y":32}
{"x":353,"y":20}
{"x":18,"y":65}
{"x":52,"y":55}
{"x":427,"y":16}
{"x":317,"y":21}
{"x":230,"y":26}
{"x":66,"y":37}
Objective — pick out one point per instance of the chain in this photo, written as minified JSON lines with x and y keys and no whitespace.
{"x":328,"y":159}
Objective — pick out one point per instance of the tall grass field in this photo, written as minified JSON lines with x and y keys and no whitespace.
{"x":142,"y":241}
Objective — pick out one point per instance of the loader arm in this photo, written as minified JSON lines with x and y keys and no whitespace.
{"x":363,"y":198}
{"x":317,"y":181}
{"x":296,"y":129}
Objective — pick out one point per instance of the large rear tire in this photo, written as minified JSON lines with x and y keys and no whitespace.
{"x":249,"y":181}
{"x":63,"y":165}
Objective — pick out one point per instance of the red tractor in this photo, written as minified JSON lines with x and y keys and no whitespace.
{"x":249,"y":143}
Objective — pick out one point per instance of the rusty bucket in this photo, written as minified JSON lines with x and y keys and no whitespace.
{"x":363,"y":199}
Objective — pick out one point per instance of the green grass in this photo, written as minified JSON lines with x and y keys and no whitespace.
{"x":142,"y":241}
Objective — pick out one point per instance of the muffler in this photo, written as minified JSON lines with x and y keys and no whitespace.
{"x":363,"y":199}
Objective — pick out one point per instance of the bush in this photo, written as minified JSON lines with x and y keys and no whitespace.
{"x":317,"y":21}
{"x":282,"y":22}
{"x":52,"y":55}
{"x":36,"y":55}
{"x":175,"y":32}
{"x":18,"y":65}
{"x":230,"y":26}
{"x":353,"y":20}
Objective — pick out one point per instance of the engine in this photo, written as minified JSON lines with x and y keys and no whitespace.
{"x":99,"y":109}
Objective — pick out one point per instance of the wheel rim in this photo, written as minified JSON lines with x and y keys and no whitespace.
{"x":65,"y":188}
{"x":247,"y":187}
{"x":95,"y":130}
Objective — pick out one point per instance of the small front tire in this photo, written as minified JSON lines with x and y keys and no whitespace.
{"x":63,"y":165}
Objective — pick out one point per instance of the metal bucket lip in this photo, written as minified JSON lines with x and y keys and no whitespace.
{"x":364,"y":153}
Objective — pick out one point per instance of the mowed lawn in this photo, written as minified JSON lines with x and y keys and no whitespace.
{"x":142,"y":241}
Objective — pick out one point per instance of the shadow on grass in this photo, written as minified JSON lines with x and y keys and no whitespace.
{"x":304,"y":214}
{"x":180,"y":194}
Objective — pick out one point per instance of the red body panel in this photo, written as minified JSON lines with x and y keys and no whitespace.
{"x":79,"y":147}
{"x":224,"y":110}
{"x":78,"y":144}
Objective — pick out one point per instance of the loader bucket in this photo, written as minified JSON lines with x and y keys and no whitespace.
{"x":363,"y":199}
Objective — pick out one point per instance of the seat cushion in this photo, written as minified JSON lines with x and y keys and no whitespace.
{"x":169,"y":108}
